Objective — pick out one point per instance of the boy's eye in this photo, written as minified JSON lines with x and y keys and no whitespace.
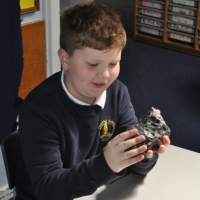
{"x":93,"y":64}
{"x":113,"y":64}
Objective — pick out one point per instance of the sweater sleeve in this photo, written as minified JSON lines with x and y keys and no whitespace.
{"x":128,"y":119}
{"x":41,"y":144}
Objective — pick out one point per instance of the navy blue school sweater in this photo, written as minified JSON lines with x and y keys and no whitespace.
{"x":62,"y":142}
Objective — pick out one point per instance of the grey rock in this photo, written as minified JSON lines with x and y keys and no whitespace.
{"x":153,"y":127}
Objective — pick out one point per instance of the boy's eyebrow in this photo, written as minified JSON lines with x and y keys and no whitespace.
{"x":116,"y":60}
{"x":111,"y":61}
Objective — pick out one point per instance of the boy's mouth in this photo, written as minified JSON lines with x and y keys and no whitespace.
{"x":98,"y":85}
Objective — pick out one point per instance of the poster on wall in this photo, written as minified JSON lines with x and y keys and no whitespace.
{"x":28,"y":6}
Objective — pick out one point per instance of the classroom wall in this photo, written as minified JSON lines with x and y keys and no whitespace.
{"x":65,"y":4}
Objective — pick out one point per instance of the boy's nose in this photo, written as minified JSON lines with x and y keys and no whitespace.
{"x":103,"y":73}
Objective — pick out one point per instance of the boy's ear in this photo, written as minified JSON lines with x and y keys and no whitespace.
{"x":63,"y":58}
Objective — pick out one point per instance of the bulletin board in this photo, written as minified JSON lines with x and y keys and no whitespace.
{"x":28,"y":6}
{"x":34,"y":54}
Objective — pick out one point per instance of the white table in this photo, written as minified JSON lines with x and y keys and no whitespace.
{"x":176,"y":176}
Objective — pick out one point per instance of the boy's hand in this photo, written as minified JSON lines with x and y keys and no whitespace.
{"x":116,"y":156}
{"x":166,"y":143}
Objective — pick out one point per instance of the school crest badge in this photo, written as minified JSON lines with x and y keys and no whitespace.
{"x":106,"y":130}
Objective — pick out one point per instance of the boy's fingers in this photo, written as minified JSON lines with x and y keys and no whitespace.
{"x":166,"y":140}
{"x":123,"y":136}
{"x":132,"y":161}
{"x":130,"y":143}
{"x":158,"y":111}
{"x":149,"y":154}
{"x":161,"y":149}
{"x":134,"y":152}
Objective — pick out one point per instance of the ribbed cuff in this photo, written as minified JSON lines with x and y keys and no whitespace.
{"x":144,"y":166}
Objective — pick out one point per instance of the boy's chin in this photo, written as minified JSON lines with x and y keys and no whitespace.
{"x":96,"y":95}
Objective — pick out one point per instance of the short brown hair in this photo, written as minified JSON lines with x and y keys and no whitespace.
{"x":91,"y":25}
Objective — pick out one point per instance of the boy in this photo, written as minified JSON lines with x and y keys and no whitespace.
{"x":73,"y":125}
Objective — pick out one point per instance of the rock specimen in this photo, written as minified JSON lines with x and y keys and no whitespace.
{"x":153,"y":127}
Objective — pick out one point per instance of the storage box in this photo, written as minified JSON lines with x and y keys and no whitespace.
{"x":182,"y":10}
{"x":151,"y":12}
{"x":182,"y":19}
{"x":180,"y":36}
{"x":192,"y":3}
{"x":149,"y":29}
{"x":150,"y":21}
{"x":181,"y":27}
{"x":153,"y":4}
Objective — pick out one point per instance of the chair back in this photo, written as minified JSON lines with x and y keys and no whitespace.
{"x":11,"y":151}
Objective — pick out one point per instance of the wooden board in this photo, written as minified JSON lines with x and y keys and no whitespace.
{"x":34,"y":53}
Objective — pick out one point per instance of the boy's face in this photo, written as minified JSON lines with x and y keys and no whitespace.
{"x":90,"y":72}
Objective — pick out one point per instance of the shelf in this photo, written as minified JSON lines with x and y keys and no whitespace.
{"x":158,"y":28}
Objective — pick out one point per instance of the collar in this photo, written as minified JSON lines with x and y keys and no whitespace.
{"x":99,"y":100}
